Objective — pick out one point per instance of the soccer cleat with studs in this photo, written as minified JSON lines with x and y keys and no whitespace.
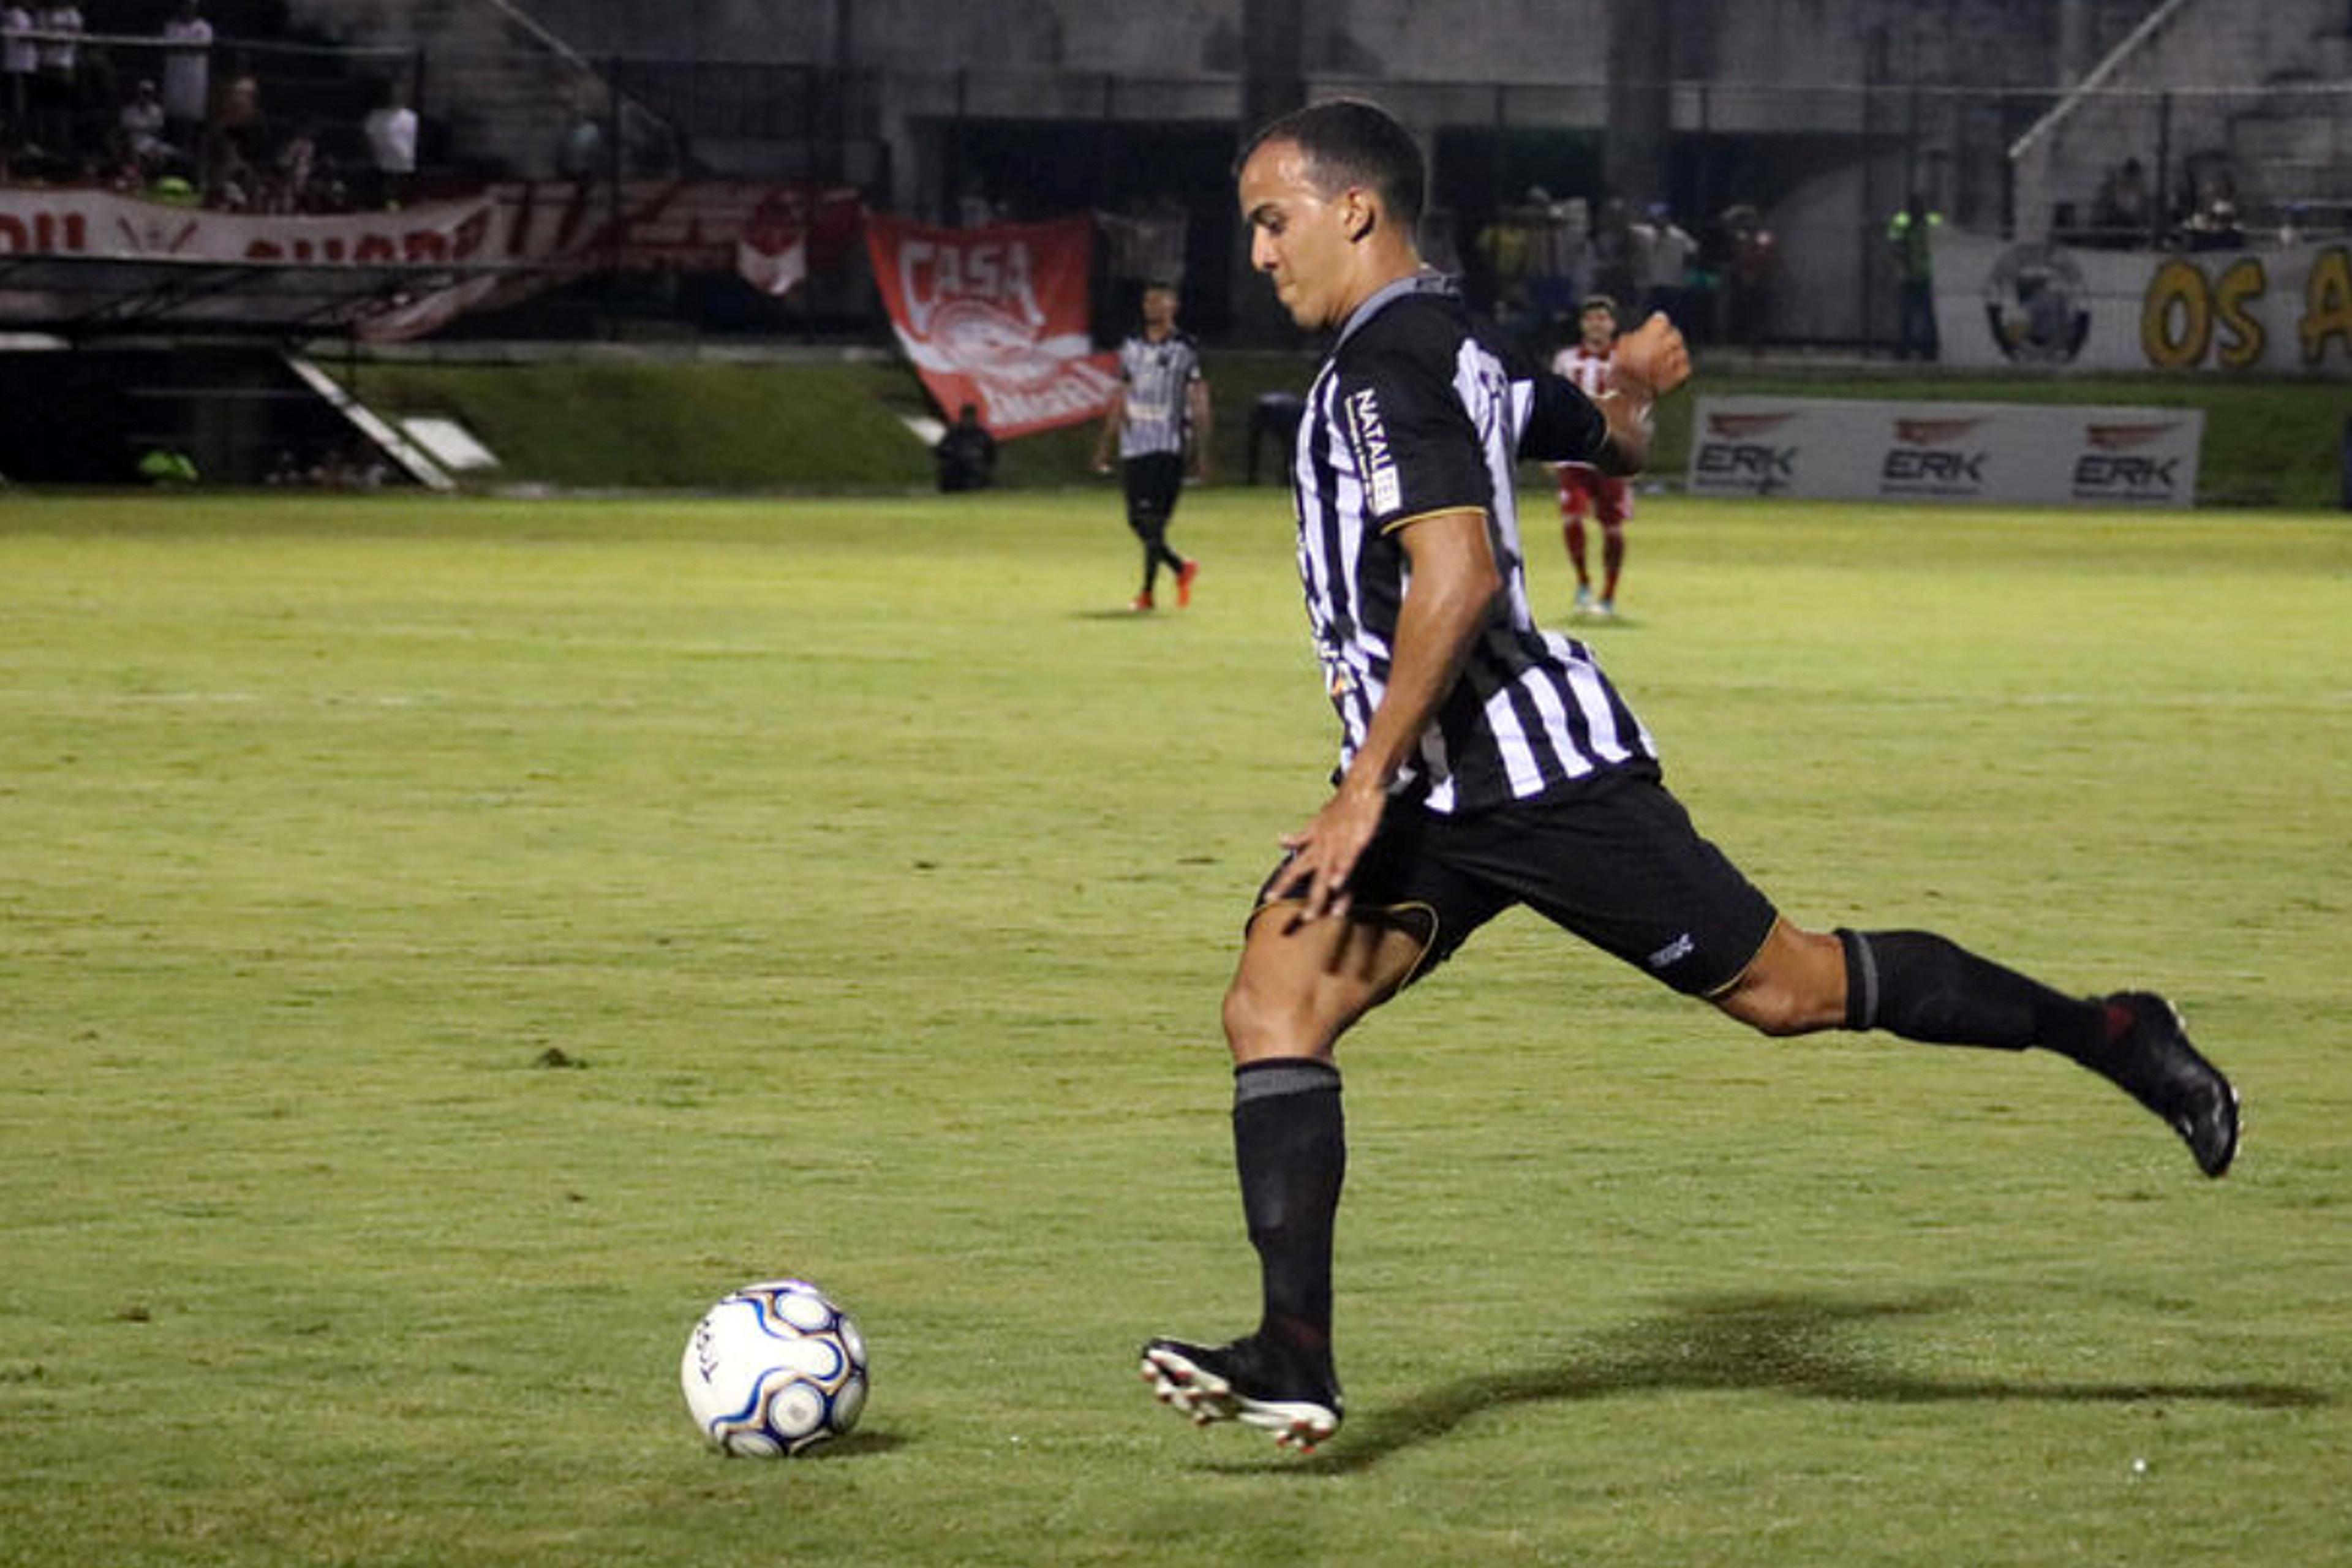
{"x":2153,"y":1061}
{"x":1291,"y":1393}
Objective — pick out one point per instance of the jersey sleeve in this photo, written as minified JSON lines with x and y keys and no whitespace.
{"x":1563,"y":426}
{"x":1408,"y":440}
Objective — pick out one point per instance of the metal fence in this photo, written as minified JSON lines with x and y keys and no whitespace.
{"x":1784,"y":192}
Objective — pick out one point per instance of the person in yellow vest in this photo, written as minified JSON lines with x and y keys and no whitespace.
{"x":1911,"y":234}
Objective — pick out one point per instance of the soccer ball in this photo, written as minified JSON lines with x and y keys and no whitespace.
{"x":774,"y":1369}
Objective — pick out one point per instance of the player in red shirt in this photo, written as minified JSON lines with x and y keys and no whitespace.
{"x":1582,"y":486}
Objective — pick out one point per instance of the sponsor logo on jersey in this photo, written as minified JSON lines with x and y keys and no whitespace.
{"x":1367,"y":437}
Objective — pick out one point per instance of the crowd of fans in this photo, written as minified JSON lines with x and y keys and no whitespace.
{"x":1532,"y":262}
{"x":2127,"y":213}
{"x":181,"y":116}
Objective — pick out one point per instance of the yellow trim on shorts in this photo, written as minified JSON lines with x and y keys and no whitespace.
{"x":1389,"y":528}
{"x":1358,"y":912}
{"x":1731,"y":984}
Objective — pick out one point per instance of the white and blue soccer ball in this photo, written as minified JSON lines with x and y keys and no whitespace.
{"x":774,"y":1369}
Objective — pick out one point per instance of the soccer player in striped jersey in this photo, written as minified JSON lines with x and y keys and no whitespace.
{"x":1485,"y":762}
{"x":1161,"y":411}
{"x":1582,"y":485}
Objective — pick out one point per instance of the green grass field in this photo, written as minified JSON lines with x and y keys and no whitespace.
{"x":877,"y":879}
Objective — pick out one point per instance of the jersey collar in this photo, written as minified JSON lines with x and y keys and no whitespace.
{"x":1427,"y":281}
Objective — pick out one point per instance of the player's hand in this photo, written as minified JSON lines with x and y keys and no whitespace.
{"x":1102,"y":465}
{"x":1653,"y":357}
{"x":1323,"y":853}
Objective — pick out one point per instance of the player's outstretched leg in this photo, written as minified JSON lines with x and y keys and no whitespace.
{"x":1924,"y":987}
{"x":2149,"y":1057}
{"x":1258,"y":1381}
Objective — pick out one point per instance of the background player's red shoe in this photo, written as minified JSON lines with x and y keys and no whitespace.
{"x":1142,"y":602}
{"x":1184,"y":575}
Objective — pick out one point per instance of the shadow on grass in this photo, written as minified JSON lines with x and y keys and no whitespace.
{"x":856,"y":1444}
{"x":1781,"y":1344}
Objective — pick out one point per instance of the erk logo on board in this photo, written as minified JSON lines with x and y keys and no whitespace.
{"x":1929,"y":457}
{"x":1736,"y":455}
{"x":2112,"y":473}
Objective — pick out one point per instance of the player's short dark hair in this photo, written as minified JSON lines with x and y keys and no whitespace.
{"x":1596,"y":302}
{"x":1349,"y":141}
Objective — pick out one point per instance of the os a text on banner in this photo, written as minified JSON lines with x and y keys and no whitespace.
{"x":996,"y":316}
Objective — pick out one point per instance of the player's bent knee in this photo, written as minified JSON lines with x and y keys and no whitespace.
{"x":1777,"y":1014}
{"x":1260,"y":1023}
{"x":1795,"y":986}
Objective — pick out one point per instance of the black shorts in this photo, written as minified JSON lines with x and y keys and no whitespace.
{"x":1619,"y":864}
{"x":1153,"y":482}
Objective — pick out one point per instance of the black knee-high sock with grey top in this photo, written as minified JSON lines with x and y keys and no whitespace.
{"x":1923,"y":987}
{"x":1290,"y":1147}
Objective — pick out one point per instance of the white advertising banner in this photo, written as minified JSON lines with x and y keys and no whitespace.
{"x":2015,"y":454}
{"x":2283,"y":310}
{"x":436,"y":258}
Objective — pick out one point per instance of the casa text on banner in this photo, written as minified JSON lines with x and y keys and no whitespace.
{"x":996,"y":316}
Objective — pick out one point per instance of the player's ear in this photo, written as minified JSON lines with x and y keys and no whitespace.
{"x":1361,"y":213}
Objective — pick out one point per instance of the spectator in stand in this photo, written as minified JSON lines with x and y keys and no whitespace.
{"x":1709,"y":264}
{"x":390,"y":129}
{"x":1615,"y":259}
{"x":584,"y":152}
{"x":58,"y":95}
{"x":235,"y":154}
{"x":2213,"y":223}
{"x":2123,"y":214}
{"x":297,"y":172}
{"x":140,"y":127}
{"x":1671,"y":248}
{"x":19,"y":58}
{"x":1754,"y":270}
{"x":187,"y":75}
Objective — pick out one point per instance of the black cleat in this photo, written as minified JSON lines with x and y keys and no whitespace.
{"x":1273,"y":1387}
{"x":2156,"y":1065}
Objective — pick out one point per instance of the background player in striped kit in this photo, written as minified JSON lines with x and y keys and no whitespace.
{"x":1161,"y":412}
{"x":1487,"y":762}
{"x":1582,"y":486}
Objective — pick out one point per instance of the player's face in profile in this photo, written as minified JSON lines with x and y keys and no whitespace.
{"x":1298,"y":236}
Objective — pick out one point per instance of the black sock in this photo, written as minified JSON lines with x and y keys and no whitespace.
{"x":1290,"y":1147}
{"x":1921,"y":986}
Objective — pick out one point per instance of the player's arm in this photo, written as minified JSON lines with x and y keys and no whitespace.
{"x":1611,"y":431}
{"x":1113,"y":418}
{"x":1201,"y":420}
{"x":1454,"y":584}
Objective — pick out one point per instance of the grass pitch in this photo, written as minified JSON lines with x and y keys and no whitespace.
{"x":445,"y":946}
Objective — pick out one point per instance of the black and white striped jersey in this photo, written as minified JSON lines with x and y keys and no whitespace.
{"x":1156,"y":379}
{"x":1414,"y":413}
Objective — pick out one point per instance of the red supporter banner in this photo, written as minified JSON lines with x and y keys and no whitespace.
{"x":468,"y":253}
{"x":996,"y":316}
